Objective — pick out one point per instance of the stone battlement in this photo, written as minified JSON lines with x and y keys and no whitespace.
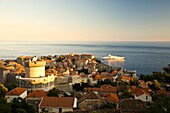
{"x":35,"y":63}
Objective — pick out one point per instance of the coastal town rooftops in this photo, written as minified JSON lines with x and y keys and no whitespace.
{"x":138,"y":91}
{"x":26,"y":57}
{"x":163,"y":92}
{"x":108,"y":88}
{"x":103,"y":88}
{"x":126,"y":78}
{"x":91,"y":89}
{"x":57,"y":102}
{"x":87,"y":56}
{"x":35,"y":63}
{"x":111,"y":98}
{"x":82,"y":60}
{"x":17,"y":91}
{"x":37,"y":94}
{"x":91,"y":95}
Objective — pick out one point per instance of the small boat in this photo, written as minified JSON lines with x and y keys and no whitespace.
{"x":113,"y":57}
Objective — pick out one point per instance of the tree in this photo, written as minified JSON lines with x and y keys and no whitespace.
{"x":19,"y":105}
{"x":161,"y":105}
{"x":4,"y":106}
{"x":53,"y":92}
{"x":134,"y":82}
{"x":127,"y":94}
{"x":155,"y":86}
{"x":11,"y":86}
{"x":77,"y":86}
{"x":154,"y":76}
{"x":44,"y":110}
{"x":167,"y":79}
{"x":3,"y":90}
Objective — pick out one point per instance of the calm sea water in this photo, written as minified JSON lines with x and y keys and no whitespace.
{"x":145,"y":57}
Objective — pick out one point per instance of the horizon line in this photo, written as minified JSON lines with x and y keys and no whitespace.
{"x":80,"y":41}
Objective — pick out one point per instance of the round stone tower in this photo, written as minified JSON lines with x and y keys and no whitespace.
{"x":35,"y":68}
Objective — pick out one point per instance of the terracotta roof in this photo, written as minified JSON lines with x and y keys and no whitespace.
{"x":126,"y":78}
{"x":91,"y":95}
{"x":37,"y":94}
{"x":57,"y":102}
{"x":111,"y":98}
{"x":105,"y":73}
{"x":105,"y":76}
{"x":138,"y":91}
{"x":147,"y":89}
{"x":108,"y":88}
{"x":26,"y":57}
{"x":16,"y":91}
{"x":48,"y":61}
{"x":103,"y":88}
{"x":114,"y":72}
{"x":97,"y":77}
{"x":91,"y":89}
{"x":163,"y":92}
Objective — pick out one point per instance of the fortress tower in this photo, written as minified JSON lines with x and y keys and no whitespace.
{"x":35,"y":68}
{"x":35,"y":77}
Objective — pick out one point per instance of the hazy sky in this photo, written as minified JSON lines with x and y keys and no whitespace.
{"x":85,"y":20}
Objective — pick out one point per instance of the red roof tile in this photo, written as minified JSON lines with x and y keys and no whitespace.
{"x":111,"y":98}
{"x":91,"y":95}
{"x":16,"y":91}
{"x":91,"y":89}
{"x":103,"y":88}
{"x":138,"y":91}
{"x":57,"y":102}
{"x":108,"y":88}
{"x":37,"y":94}
{"x":125,"y":78}
{"x":163,"y":92}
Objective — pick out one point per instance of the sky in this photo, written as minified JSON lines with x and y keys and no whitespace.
{"x":85,"y":20}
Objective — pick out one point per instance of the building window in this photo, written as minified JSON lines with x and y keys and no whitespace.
{"x":146,"y":97}
{"x":60,"y":110}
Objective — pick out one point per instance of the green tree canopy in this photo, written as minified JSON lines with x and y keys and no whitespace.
{"x":19,"y":105}
{"x":4,"y":106}
{"x":53,"y":92}
{"x":127,"y":94}
{"x":3,"y":90}
{"x":161,"y":105}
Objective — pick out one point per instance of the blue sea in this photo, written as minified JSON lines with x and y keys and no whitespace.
{"x":145,"y":57}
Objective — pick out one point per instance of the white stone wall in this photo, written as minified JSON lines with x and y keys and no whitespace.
{"x":56,"y":110}
{"x":11,"y":97}
{"x":143,"y":98}
{"x":23,"y":95}
{"x":67,"y":109}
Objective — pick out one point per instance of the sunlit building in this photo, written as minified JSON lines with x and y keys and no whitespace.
{"x":35,"y":77}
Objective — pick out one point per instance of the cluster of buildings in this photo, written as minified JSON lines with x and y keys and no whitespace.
{"x":48,"y":71}
{"x":36,"y":76}
{"x":40,"y":100}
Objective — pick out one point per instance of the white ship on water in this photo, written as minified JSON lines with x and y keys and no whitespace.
{"x":113,"y":57}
